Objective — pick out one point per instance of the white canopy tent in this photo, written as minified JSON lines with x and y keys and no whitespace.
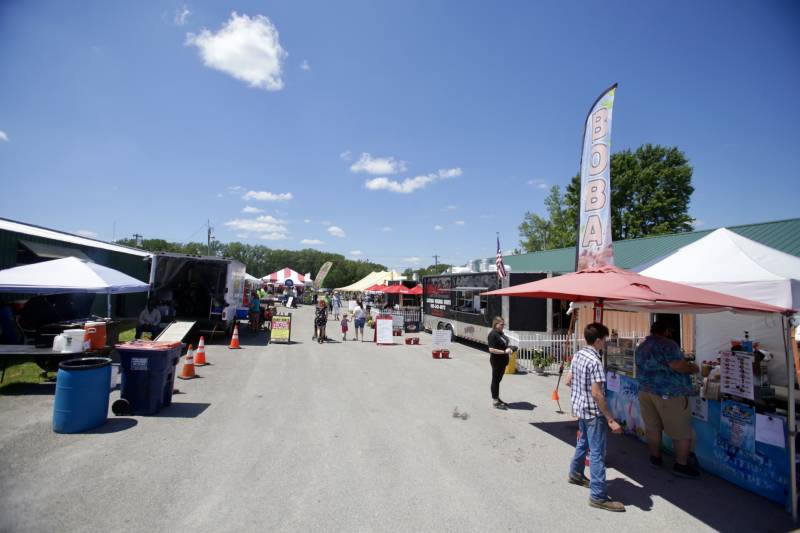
{"x":726,"y":262}
{"x":69,"y":275}
{"x":373,"y":278}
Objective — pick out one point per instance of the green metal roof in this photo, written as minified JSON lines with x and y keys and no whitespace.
{"x":783,"y":235}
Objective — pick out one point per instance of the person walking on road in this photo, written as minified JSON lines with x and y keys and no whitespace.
{"x":321,"y":320}
{"x":344,"y":324}
{"x":337,"y":305}
{"x":665,"y":385}
{"x":359,"y":320}
{"x":594,"y":418}
{"x":499,"y":351}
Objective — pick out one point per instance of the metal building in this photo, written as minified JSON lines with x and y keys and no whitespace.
{"x":22,"y":244}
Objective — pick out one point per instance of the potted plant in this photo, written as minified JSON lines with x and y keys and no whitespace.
{"x":540,"y":361}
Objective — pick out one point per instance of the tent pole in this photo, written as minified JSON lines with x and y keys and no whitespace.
{"x":791,"y":417}
{"x":108,"y":304}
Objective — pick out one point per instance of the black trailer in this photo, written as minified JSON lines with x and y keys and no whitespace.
{"x":454,"y":301}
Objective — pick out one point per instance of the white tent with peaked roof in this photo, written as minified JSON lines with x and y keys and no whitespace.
{"x":726,"y":262}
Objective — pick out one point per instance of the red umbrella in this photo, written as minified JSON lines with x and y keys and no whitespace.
{"x":376,"y":288}
{"x":622,"y":289}
{"x":397,"y":289}
{"x":416,"y":291}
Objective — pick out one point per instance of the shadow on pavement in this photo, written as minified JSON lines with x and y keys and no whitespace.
{"x":114,"y":425}
{"x":183,"y":410}
{"x":29,"y":389}
{"x":719,"y":504}
{"x":521,"y":406}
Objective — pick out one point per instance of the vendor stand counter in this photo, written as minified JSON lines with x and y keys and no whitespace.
{"x":733,"y":441}
{"x":9,"y":351}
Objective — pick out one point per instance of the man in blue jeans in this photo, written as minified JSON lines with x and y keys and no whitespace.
{"x":594,"y":418}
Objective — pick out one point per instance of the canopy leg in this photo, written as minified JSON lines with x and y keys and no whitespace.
{"x":791,"y":416}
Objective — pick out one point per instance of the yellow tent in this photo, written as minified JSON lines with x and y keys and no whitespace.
{"x":373,"y":278}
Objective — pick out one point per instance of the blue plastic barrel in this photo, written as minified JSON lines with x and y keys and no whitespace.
{"x":81,"y":401}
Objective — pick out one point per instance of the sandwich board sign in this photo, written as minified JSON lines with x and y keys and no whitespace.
{"x":282,"y":328}
{"x":383,"y":329}
{"x":442,"y":338}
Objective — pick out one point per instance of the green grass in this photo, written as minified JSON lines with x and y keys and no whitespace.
{"x":127,"y":335}
{"x":20,"y":370}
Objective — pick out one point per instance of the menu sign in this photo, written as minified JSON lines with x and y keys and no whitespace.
{"x":737,"y":374}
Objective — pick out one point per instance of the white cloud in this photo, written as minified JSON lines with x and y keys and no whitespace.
{"x":251,"y":209}
{"x":450,"y":173}
{"x":311,"y":241}
{"x":86,"y":233}
{"x":336,"y":231}
{"x":234,"y":189}
{"x":266,"y":196}
{"x":246,"y":48}
{"x":347,"y":155}
{"x":699,"y":223}
{"x":356,"y":252}
{"x":539,"y":184}
{"x":460,"y":222}
{"x":243,"y":235}
{"x":377,"y":165}
{"x":437,"y":227}
{"x":325,"y":222}
{"x":274,"y":236}
{"x":412,"y":259}
{"x":450,"y":207}
{"x":3,"y":136}
{"x":181,"y":15}
{"x":307,"y":220}
{"x":264,"y":223}
{"x":409,"y":185}
{"x":304,"y":65}
{"x":386,"y":229}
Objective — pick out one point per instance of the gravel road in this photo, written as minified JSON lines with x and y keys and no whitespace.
{"x":341,"y":437}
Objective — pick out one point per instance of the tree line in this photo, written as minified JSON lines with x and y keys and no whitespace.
{"x":260,"y":260}
{"x":651,"y":188}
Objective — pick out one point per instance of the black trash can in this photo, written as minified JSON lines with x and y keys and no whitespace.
{"x":148,"y":374}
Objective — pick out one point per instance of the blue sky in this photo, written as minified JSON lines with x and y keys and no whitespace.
{"x":151,"y":117}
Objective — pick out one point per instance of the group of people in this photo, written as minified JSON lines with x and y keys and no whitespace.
{"x":664,"y":379}
{"x":334,"y":304}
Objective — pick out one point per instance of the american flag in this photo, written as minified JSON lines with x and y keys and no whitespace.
{"x":501,"y":268}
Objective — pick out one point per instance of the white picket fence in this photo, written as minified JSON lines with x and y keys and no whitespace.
{"x":556,"y":348}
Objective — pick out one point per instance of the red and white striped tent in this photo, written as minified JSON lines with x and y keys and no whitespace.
{"x":283,"y":274}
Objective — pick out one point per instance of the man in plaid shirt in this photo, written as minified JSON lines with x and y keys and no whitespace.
{"x":588,"y":399}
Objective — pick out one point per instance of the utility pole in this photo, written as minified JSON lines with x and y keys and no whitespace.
{"x":436,"y":260}
{"x":138,"y":239}
{"x":210,"y":236}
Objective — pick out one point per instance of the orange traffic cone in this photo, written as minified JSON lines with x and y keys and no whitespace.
{"x":235,"y":339}
{"x":553,"y":397}
{"x":187,"y":371}
{"x":200,"y":355}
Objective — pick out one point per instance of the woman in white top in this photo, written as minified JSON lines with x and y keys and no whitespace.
{"x":359,"y":319}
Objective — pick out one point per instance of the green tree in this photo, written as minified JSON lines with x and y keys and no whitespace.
{"x":650,"y":193}
{"x":556,"y":231}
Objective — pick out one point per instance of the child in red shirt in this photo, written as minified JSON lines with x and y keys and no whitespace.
{"x":344,"y":327}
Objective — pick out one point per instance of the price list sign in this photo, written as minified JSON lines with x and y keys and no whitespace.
{"x":737,"y":374}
